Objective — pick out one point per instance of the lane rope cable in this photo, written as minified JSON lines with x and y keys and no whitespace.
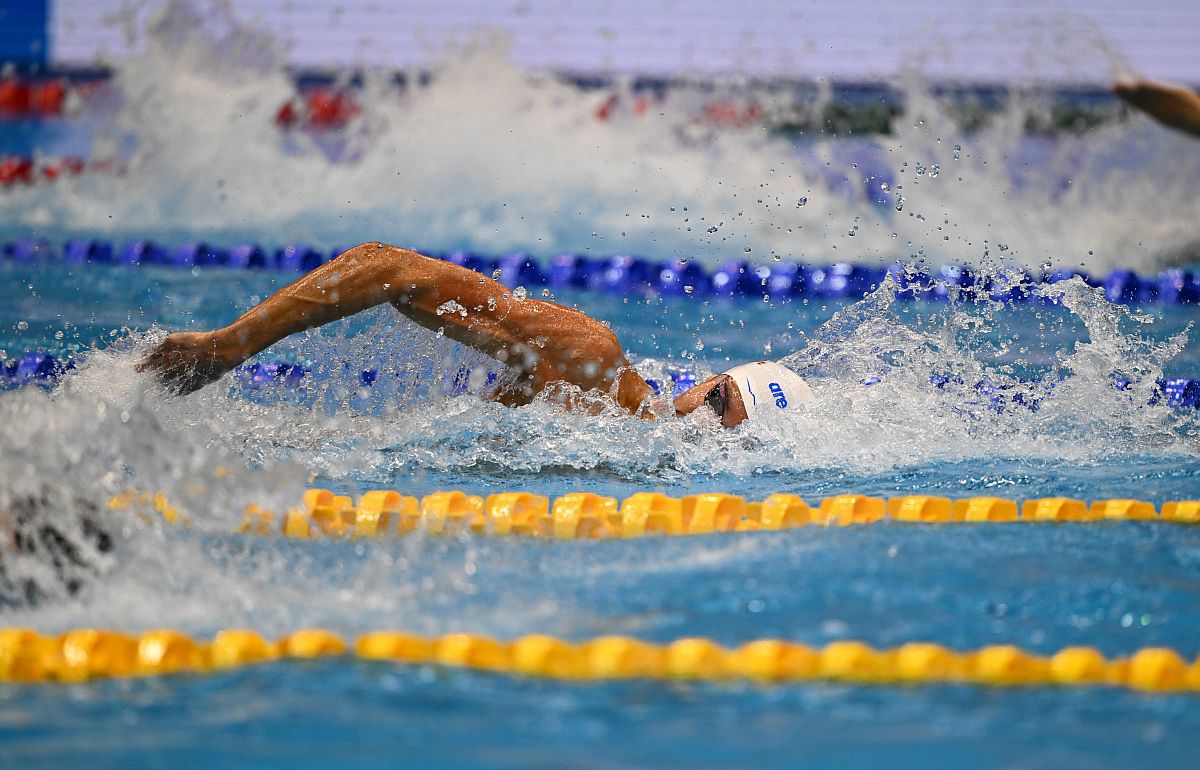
{"x":47,"y":369}
{"x":629,"y":275}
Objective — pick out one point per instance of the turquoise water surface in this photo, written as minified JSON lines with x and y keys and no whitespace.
{"x":489,"y":158}
{"x":1118,"y":586}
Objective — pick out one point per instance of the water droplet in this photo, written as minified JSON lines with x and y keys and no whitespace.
{"x":712,"y":229}
{"x":496,"y":273}
{"x":747,"y":249}
{"x":958,"y":152}
{"x":885,"y":187}
{"x":491,"y":303}
{"x":900,"y":203}
{"x":920,"y":169}
{"x":519,"y":294}
{"x":853,"y":231}
{"x":22,"y":325}
{"x":803,"y":200}
{"x":450,"y":306}
{"x":934,"y":170}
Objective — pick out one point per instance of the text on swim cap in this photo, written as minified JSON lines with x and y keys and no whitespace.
{"x":777,"y":391}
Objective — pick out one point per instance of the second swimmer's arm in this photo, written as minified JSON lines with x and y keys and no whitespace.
{"x":1172,"y":106}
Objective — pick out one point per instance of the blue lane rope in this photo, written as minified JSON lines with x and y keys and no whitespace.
{"x":626,"y":275}
{"x":47,"y":369}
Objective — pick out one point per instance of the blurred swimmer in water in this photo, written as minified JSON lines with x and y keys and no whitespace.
{"x":1173,"y":106}
{"x":554,"y":350}
{"x":62,"y":546}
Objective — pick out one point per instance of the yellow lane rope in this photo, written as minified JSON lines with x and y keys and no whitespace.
{"x":84,"y":654}
{"x":384,"y":513}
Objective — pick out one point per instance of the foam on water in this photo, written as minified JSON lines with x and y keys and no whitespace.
{"x":493,"y":158}
{"x":335,"y":427}
{"x":106,"y":430}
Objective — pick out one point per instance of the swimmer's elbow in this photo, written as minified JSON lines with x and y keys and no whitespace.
{"x":380,"y":253}
{"x":401,"y":273}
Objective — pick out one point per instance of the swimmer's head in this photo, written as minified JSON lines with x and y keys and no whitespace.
{"x":757,"y":391}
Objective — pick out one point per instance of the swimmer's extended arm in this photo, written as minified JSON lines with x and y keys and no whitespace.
{"x":543,"y":341}
{"x":1172,"y":106}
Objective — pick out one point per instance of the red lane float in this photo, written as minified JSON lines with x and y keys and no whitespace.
{"x":328,"y":106}
{"x":24,"y":97}
{"x":23,"y":170}
{"x":321,"y":107}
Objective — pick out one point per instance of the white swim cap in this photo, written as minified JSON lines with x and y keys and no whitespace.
{"x":768,"y":388}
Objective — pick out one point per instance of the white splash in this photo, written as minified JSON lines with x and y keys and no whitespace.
{"x":492,"y":158}
{"x":105,"y":430}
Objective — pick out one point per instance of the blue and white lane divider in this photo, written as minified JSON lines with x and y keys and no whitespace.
{"x":46,"y":369}
{"x":623,"y":274}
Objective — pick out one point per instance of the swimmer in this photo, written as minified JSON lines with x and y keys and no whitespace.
{"x":1173,"y":106}
{"x":546,"y":344}
{"x":69,"y":544}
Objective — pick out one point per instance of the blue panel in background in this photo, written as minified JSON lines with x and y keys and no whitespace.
{"x":23,"y":31}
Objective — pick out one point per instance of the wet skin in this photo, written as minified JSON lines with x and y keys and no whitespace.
{"x":693,"y":398}
{"x":546,"y":344}
{"x":1173,"y":106}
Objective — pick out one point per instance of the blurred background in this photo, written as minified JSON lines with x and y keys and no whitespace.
{"x":1064,"y":42}
{"x":881,"y":131}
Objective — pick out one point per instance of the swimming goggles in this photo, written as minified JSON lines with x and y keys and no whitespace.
{"x":718,"y":398}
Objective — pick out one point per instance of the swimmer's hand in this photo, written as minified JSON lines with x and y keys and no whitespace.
{"x":1173,"y":106}
{"x":187,"y":361}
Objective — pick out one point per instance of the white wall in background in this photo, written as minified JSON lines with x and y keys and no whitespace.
{"x":1052,"y":40}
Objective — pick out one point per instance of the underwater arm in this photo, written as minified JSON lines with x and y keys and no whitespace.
{"x":1172,"y":106}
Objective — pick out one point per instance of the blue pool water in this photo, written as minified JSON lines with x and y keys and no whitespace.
{"x":901,"y":435}
{"x":1117,"y":586}
{"x":1041,"y":587}
{"x":494,"y":159}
